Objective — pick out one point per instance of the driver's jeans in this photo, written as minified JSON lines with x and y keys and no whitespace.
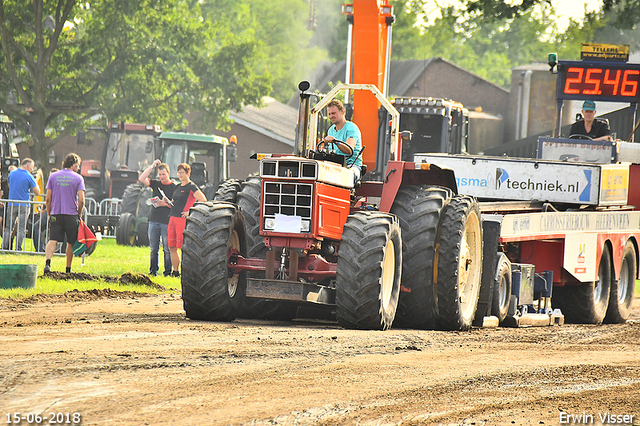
{"x":158,"y":231}
{"x":13,"y":212}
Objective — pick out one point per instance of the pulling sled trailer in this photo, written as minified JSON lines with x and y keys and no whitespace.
{"x":561,"y":231}
{"x":566,"y":236}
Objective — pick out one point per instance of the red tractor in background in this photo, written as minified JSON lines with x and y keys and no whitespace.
{"x":128,"y":149}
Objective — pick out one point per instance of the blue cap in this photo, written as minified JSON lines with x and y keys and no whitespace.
{"x":589,"y":106}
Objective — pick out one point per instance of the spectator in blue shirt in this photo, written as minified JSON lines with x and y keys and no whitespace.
{"x":21,"y":183}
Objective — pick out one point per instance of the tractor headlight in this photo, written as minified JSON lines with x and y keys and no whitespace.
{"x":269,"y":223}
{"x":305,"y":226}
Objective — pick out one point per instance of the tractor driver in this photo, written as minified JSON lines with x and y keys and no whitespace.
{"x":595,"y":128}
{"x":346,"y":132}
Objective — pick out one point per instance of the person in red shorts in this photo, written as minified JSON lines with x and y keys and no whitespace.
{"x":184,"y":196}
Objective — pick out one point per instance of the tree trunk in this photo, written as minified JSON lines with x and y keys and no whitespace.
{"x":40,"y":147}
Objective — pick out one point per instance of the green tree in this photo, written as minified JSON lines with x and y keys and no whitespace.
{"x":487,"y":46}
{"x":330,"y":31}
{"x":286,"y":38}
{"x":406,"y":29}
{"x":132,"y":60}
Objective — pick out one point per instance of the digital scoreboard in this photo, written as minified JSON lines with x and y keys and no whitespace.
{"x":598,"y":81}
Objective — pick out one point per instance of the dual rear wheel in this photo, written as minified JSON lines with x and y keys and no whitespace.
{"x":459,"y":264}
{"x":605,"y":300}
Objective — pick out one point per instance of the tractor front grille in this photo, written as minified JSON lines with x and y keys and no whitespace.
{"x":290,"y":199}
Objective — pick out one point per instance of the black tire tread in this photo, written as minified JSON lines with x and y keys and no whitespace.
{"x":359,"y":269}
{"x":205,"y":253}
{"x":577,"y":302}
{"x":130,"y":198}
{"x":455,"y":217}
{"x":496,"y":310}
{"x":123,"y":231}
{"x":618,"y":313}
{"x":419,"y":211}
{"x":228,"y":191}
{"x":248,"y":201}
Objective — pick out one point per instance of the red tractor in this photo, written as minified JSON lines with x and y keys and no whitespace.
{"x":305,"y":233}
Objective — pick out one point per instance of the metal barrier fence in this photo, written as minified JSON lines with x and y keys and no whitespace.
{"x":91,"y":205}
{"x":105,"y":217}
{"x":24,"y":228}
{"x":110,"y":207}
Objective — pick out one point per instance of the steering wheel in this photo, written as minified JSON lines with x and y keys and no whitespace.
{"x":579,"y":136}
{"x":339,"y":144}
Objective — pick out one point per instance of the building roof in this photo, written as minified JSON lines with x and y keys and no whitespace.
{"x":275,"y":120}
{"x":402,"y":76}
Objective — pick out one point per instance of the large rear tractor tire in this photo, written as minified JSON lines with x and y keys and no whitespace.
{"x":144,"y":204}
{"x":459,"y":264}
{"x":131,"y":198}
{"x":248,"y":200}
{"x":586,"y":303}
{"x":368,"y":272}
{"x":209,"y":291}
{"x":209,"y":191}
{"x":419,"y":211}
{"x":228,"y":191}
{"x":623,"y":289}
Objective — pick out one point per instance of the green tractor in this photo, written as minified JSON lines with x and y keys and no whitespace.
{"x":208,"y":156}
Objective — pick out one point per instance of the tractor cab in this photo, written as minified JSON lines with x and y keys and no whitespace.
{"x":128,"y":149}
{"x":438,"y":125}
{"x":312,"y":129}
{"x":208,"y":156}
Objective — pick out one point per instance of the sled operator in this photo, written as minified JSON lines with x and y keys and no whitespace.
{"x":597,"y":129}
{"x":347,"y":132}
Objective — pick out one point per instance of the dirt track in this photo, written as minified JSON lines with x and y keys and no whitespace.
{"x":135,"y":360}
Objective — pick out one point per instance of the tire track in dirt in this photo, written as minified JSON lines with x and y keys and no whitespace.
{"x":137,"y":361}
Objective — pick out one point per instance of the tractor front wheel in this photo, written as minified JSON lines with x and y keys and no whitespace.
{"x":125,"y":233}
{"x":368,"y":272}
{"x":209,"y":291}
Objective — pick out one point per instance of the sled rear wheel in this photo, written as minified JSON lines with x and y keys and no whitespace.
{"x":622,"y":291}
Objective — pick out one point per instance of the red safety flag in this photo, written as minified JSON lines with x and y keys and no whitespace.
{"x":86,"y":239}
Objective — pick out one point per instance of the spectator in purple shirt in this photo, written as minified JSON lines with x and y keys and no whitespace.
{"x":65,"y":201}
